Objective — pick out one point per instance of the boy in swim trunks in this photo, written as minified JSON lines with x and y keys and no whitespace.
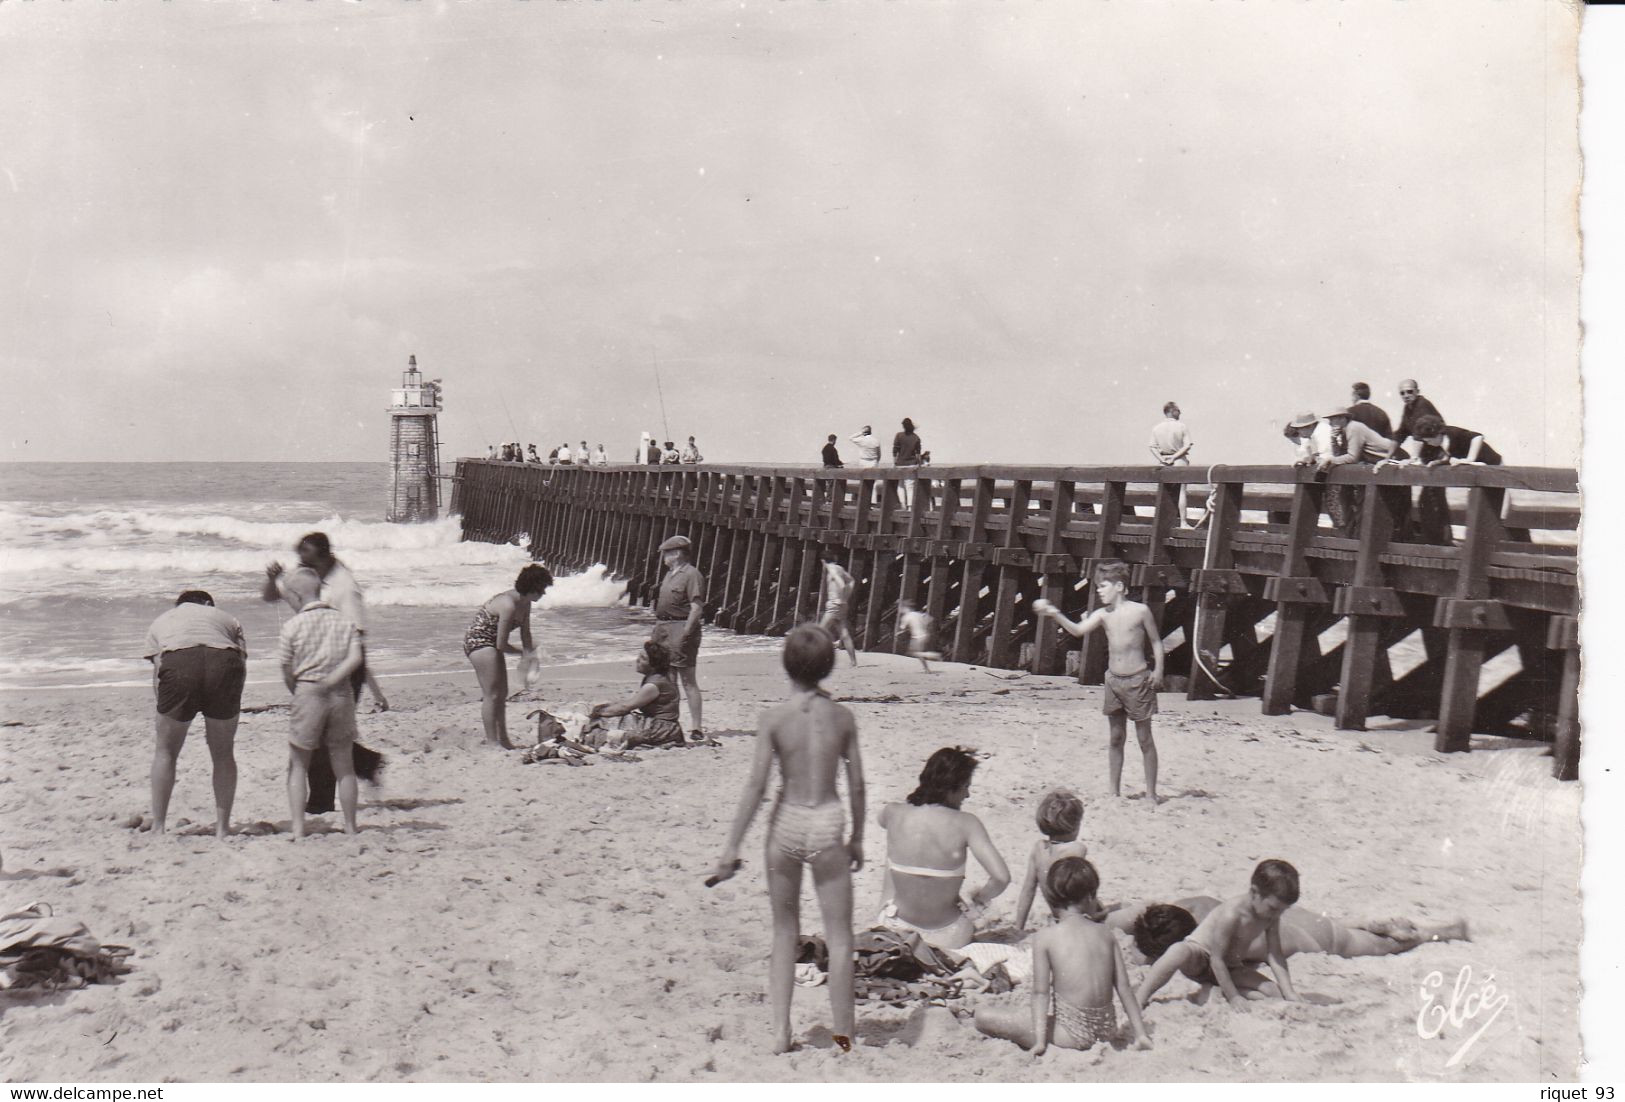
{"x":918,"y":625}
{"x":1077,"y":965}
{"x":838,"y":586}
{"x":1060,"y":816}
{"x":812,"y":738}
{"x":1215,"y":952}
{"x":1131,"y":686}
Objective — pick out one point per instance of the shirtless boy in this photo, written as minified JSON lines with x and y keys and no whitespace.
{"x":1077,"y":965}
{"x":1131,"y":685}
{"x":811,"y":737}
{"x":838,"y":586}
{"x":1060,"y":816}
{"x":1216,"y":951}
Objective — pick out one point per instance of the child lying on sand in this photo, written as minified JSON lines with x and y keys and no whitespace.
{"x":1213,"y":953}
{"x":1077,"y":964}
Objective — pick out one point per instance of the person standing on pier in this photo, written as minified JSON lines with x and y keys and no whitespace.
{"x":1339,"y":441}
{"x":1367,"y":412}
{"x":691,"y":453}
{"x":1416,"y":407}
{"x":600,"y":458}
{"x":679,"y":608}
{"x":831,"y":456}
{"x":1171,"y":444}
{"x":905,"y":452}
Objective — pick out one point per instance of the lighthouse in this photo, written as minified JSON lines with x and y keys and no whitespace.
{"x":414,"y":447}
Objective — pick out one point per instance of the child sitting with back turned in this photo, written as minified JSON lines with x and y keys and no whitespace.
{"x":1131,"y":684}
{"x":1060,"y":815}
{"x":811,"y":737}
{"x":1077,"y":964}
{"x":1214,"y":953}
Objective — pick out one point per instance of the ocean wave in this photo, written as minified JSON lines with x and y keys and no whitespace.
{"x":591,"y":589}
{"x":196,"y":560}
{"x":348,"y":535}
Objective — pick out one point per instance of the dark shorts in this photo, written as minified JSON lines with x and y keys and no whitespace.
{"x":684,"y":646}
{"x":201,"y":679}
{"x":1135,"y":695}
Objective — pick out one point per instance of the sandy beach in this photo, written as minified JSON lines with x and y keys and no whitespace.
{"x":498,"y":921}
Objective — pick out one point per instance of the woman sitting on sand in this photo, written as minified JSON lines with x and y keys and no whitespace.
{"x":486,"y":641}
{"x":652,"y":710}
{"x":926,"y":840}
{"x":1160,"y":930}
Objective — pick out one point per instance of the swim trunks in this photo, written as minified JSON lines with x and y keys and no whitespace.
{"x":1135,"y":694}
{"x":200,"y":679}
{"x":1086,"y":1025}
{"x":482,"y":632}
{"x":801,"y":833}
{"x":322,"y":717}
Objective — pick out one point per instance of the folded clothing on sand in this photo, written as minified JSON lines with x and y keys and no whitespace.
{"x":39,"y":950}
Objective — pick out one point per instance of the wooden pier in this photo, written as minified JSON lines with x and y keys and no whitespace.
{"x":1261,"y":598}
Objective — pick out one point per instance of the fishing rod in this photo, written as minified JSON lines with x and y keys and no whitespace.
{"x":661,"y":393}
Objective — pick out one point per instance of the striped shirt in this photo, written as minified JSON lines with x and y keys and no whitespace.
{"x":314,"y":642}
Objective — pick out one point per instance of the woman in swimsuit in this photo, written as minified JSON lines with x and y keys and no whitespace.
{"x":811,"y":737}
{"x":652,"y":710}
{"x":1163,"y":928}
{"x":926,"y":841}
{"x":486,"y":641}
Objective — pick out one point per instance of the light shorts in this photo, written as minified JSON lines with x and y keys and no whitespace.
{"x":322,"y":717}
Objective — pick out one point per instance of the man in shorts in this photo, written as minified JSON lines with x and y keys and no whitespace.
{"x":679,"y":608}
{"x":198,"y":657}
{"x":317,"y":651}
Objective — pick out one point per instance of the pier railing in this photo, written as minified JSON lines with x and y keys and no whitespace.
{"x":1256,"y":591}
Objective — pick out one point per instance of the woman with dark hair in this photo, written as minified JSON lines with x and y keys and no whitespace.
{"x":926,"y":841}
{"x":652,"y":710}
{"x":1438,"y":445}
{"x":1160,"y":928}
{"x":905,"y":452}
{"x":486,"y":642}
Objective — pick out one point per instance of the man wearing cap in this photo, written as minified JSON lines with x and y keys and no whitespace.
{"x":1298,"y":431}
{"x":197,"y":654}
{"x":1337,"y":442}
{"x":679,"y":607}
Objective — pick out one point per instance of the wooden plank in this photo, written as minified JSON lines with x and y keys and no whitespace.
{"x":1292,"y":617}
{"x":971,"y":575}
{"x":1458,"y":697}
{"x":1212,"y":607}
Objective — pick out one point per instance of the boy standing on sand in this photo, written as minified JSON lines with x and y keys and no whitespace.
{"x":317,"y":651}
{"x":1131,"y":686}
{"x":1219,"y":944}
{"x":811,"y":737}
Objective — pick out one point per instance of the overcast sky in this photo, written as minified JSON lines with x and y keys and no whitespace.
{"x":1025,"y":224}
